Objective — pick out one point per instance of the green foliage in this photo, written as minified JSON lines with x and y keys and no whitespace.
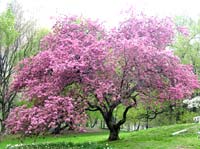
{"x":187,"y":117}
{"x":8,"y":34}
{"x":94,"y":115}
{"x":33,"y":46}
{"x":28,"y":104}
{"x":179,"y":114}
{"x":74,"y":87}
{"x":60,"y":145}
{"x":188,"y":47}
{"x":134,"y":114}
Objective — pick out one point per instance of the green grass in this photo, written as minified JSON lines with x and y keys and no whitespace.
{"x":161,"y":138}
{"x":154,"y":138}
{"x":60,"y":145}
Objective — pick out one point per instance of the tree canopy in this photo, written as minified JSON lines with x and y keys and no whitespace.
{"x":85,"y":67}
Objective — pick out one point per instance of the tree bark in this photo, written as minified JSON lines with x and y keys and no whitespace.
{"x":171,"y":114}
{"x":138,"y":126}
{"x":114,"y":133}
{"x":3,"y":128}
{"x":147,"y":122}
{"x":3,"y":119}
{"x":2,"y":125}
{"x":113,"y":125}
{"x":57,"y":130}
{"x":108,"y":115}
{"x":92,"y":125}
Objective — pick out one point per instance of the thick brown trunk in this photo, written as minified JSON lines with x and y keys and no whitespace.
{"x":111,"y":122}
{"x":113,"y":125}
{"x":114,"y":133}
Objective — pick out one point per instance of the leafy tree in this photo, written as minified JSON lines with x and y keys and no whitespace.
{"x":33,"y":46}
{"x":8,"y":35}
{"x":127,"y":65}
{"x":15,"y":34}
{"x":187,"y":45}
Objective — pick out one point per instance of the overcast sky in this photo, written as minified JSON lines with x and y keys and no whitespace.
{"x":104,"y":10}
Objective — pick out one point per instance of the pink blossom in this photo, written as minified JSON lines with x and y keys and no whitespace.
{"x":82,"y":66}
{"x":183,"y":30}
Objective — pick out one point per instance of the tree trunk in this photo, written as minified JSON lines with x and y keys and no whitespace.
{"x":101,"y":124}
{"x":147,"y":122}
{"x":178,"y":114}
{"x":114,"y":133}
{"x":2,"y":127}
{"x":3,"y":120}
{"x":111,"y":122}
{"x":147,"y":118}
{"x":138,"y":126}
{"x":92,"y":125}
{"x":129,"y":127}
{"x":171,"y":114}
{"x":56,"y":130}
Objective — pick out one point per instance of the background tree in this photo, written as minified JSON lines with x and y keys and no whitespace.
{"x":33,"y":46}
{"x":127,"y":65}
{"x":8,"y":35}
{"x":187,"y":47}
{"x":187,"y":43}
{"x":17,"y":36}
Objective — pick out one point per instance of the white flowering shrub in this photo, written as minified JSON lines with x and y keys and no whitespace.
{"x":192,"y":103}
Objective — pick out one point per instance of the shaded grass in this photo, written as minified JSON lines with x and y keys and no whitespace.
{"x":154,"y":138}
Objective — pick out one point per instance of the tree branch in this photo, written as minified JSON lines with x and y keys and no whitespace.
{"x":123,"y":120}
{"x":129,"y":92}
{"x":106,"y":99}
{"x":155,"y":114}
{"x":89,"y":109}
{"x":96,"y":108}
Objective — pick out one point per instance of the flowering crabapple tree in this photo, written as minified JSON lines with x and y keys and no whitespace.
{"x":88,"y":68}
{"x":70,"y":53}
{"x":141,"y":69}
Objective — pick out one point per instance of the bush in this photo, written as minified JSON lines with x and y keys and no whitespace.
{"x":187,"y":117}
{"x":60,"y":145}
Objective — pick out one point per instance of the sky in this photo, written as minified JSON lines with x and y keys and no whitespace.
{"x":108,"y":11}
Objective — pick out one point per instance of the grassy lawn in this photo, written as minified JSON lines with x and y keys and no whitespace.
{"x":154,"y":138}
